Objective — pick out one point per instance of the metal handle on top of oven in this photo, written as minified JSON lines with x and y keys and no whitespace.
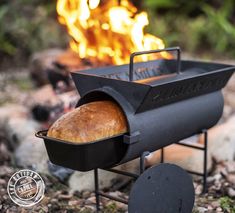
{"x":171,"y":49}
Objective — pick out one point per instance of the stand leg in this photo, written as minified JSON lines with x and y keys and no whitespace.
{"x":162,"y":155}
{"x":205,"y":161}
{"x":142,"y":161}
{"x":97,"y":190}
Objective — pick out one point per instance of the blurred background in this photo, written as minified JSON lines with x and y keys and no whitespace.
{"x":205,"y":28}
{"x":36,"y":88}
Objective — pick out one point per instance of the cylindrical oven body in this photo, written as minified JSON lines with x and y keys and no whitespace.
{"x":154,"y":129}
{"x":169,"y":124}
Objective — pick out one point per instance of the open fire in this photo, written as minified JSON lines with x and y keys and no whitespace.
{"x":108,"y":30}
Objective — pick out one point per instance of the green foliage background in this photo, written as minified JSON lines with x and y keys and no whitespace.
{"x":27,"y":26}
{"x":204,"y":27}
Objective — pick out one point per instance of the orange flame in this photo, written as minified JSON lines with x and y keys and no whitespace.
{"x":109,"y":30}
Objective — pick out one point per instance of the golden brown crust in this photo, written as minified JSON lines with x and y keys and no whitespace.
{"x":90,"y":122}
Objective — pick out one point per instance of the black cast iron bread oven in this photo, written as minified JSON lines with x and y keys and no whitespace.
{"x":159,"y":112}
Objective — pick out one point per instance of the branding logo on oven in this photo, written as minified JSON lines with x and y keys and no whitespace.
{"x":26,"y":188}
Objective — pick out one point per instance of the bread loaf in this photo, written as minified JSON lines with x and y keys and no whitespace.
{"x":90,"y":122}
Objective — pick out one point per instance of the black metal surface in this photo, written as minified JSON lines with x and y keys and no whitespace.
{"x":159,"y":112}
{"x":203,"y":148}
{"x":98,"y":193}
{"x":84,"y":157}
{"x":162,"y":188}
{"x":163,"y":126}
{"x":132,"y":175}
{"x":205,"y":161}
{"x":172,"y":49}
{"x":96,"y":180}
{"x":152,"y":68}
{"x":142,"y":161}
{"x":40,"y":113}
{"x":196,"y":79}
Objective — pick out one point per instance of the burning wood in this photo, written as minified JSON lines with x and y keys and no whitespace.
{"x":108,"y":30}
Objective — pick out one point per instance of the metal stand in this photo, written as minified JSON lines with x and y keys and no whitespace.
{"x":128,"y":174}
{"x":204,"y":149}
{"x":142,"y":168}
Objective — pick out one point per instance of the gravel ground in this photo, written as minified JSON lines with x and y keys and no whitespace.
{"x":221,"y":182}
{"x":220,"y":196}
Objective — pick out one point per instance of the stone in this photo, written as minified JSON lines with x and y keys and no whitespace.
{"x":19,"y":129}
{"x":209,"y":207}
{"x":224,"y":172}
{"x":219,"y":209}
{"x":86,"y":194}
{"x":75,"y":202}
{"x":2,"y":181}
{"x":84,"y":181}
{"x":230,"y":166}
{"x":11,"y":110}
{"x":231,"y":178}
{"x":228,"y":110}
{"x":230,"y":100}
{"x":42,"y":61}
{"x":31,"y":153}
{"x":115,"y":194}
{"x":60,"y":172}
{"x":198,"y":189}
{"x":4,"y":153}
{"x":217,"y":177}
{"x":91,"y":200}
{"x":71,"y":60}
{"x":187,"y":158}
{"x":215,"y":204}
{"x":88,"y":209}
{"x":6,"y":170}
{"x":201,"y":209}
{"x":38,"y":96}
{"x":65,"y":196}
{"x":16,"y":124}
{"x":221,"y":141}
{"x":51,"y":100}
{"x":231,"y":84}
{"x":210,"y":179}
{"x":231,"y":192}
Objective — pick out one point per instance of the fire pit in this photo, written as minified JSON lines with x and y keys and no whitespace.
{"x":164,"y":101}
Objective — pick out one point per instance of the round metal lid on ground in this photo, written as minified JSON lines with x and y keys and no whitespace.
{"x":165,"y":188}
